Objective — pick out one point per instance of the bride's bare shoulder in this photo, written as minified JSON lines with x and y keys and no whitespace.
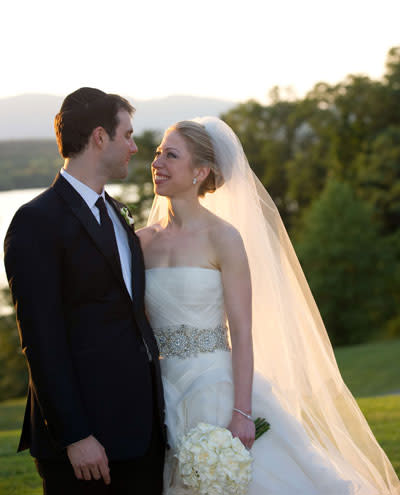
{"x":224,"y":235}
{"x":228,"y":247}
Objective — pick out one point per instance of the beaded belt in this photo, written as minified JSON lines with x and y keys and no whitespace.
{"x":184,"y":341}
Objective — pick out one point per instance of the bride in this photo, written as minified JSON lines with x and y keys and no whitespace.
{"x":239,"y":333}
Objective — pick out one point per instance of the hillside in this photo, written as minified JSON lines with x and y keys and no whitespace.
{"x":32,"y":115}
{"x":25,"y":164}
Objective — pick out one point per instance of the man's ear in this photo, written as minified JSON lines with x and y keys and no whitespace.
{"x":99,"y":136}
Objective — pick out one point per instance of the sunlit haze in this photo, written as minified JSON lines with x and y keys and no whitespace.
{"x":217,"y":48}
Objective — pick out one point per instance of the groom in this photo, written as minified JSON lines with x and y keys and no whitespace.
{"x":94,"y":415}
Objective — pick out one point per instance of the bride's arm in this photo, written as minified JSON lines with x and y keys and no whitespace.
{"x":236,"y":281}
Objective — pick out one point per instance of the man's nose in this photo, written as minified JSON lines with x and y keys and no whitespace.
{"x":134,"y":148}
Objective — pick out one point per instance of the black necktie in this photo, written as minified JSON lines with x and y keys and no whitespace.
{"x":108,"y":230}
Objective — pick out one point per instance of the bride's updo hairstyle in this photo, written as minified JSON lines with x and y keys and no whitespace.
{"x":202,"y":150}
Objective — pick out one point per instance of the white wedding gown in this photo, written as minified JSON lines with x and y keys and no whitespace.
{"x":186,"y":309}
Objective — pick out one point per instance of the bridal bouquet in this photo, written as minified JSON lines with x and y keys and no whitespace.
{"x":212,"y":462}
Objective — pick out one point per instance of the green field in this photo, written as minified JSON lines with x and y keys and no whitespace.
{"x":18,"y":474}
{"x":371,"y":369}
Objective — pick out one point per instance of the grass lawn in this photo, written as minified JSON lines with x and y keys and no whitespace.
{"x":383,"y":415}
{"x":370,"y":369}
{"x":18,"y":475}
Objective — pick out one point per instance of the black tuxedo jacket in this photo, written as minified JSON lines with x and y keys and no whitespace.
{"x":82,"y":334}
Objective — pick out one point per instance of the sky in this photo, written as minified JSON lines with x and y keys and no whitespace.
{"x":215,"y":48}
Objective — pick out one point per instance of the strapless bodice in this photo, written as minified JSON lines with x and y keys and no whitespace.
{"x":184,"y":295}
{"x":185,"y":306}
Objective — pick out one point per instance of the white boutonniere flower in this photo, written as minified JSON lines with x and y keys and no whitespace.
{"x":125,"y":213}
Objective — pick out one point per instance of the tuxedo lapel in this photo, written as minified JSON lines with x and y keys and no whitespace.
{"x":116,"y":205}
{"x":137,"y":261}
{"x":86,"y":217}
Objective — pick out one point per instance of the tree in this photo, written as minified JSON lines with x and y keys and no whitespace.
{"x":378,"y":176}
{"x":140,"y":176}
{"x":348,"y":265}
{"x":269,"y":136}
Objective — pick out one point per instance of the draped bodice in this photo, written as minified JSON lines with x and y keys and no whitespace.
{"x":184,"y":295}
{"x":185,"y":306}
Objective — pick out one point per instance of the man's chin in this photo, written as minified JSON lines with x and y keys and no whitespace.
{"x":121,"y":175}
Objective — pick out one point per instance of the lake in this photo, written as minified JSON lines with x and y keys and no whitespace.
{"x":10,"y":201}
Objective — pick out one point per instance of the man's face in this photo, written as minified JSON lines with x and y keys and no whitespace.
{"x":119,"y":150}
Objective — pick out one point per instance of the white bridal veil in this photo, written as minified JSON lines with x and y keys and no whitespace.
{"x":291,"y":347}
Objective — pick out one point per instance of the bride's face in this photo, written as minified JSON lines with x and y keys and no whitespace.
{"x":172,"y":167}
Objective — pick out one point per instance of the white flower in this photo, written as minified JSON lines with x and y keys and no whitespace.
{"x":125,"y":213}
{"x":220,"y":438}
{"x":212,"y":462}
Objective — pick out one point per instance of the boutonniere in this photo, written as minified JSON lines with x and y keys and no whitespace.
{"x":126,"y":214}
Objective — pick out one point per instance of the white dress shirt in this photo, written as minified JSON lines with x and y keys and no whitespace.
{"x":90,"y":197}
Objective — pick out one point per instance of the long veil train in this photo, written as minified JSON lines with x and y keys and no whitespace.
{"x":291,"y":347}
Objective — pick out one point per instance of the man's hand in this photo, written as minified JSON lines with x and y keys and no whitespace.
{"x":89,"y":460}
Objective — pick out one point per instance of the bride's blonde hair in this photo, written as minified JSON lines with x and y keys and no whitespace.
{"x":201,"y":148}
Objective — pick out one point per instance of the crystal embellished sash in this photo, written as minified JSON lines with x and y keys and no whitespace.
{"x":184,"y":340}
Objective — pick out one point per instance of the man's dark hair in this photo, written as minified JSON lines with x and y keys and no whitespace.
{"x":81,"y":112}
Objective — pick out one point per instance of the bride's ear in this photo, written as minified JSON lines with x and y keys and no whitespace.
{"x":201,"y":173}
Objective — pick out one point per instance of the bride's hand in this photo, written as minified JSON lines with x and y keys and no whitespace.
{"x":243,"y":428}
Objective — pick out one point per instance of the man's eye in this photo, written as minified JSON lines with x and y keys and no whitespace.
{"x":171,"y":154}
{"x":157,"y":153}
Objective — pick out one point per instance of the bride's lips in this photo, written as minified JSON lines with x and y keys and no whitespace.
{"x":160,"y":178}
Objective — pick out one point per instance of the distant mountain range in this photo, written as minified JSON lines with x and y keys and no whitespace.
{"x":32,"y":115}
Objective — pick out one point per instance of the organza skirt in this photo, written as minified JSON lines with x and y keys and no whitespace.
{"x":285,"y":462}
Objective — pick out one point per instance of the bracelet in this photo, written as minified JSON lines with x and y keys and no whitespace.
{"x":243,"y":413}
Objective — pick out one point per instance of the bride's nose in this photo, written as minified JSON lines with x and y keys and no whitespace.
{"x":156,"y":162}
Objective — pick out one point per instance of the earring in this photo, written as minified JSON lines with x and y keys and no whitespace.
{"x":194,"y":180}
